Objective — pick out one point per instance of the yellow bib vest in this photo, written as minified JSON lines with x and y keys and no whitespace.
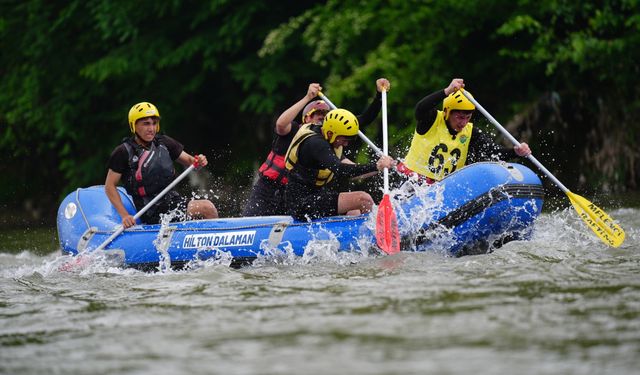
{"x":322,"y":176}
{"x":437,"y":153}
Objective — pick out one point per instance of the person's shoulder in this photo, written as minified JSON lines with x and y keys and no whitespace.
{"x":175,"y":148}
{"x":119,"y":158}
{"x":317,"y":141}
{"x":120,"y":149}
{"x":163,"y":138}
{"x":167,"y":140}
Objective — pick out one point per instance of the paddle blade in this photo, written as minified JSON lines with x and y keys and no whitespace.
{"x":600,"y":223}
{"x":387,"y":235}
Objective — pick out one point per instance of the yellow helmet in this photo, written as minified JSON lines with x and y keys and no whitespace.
{"x":456,"y":101}
{"x":339,"y":122}
{"x":142,"y":110}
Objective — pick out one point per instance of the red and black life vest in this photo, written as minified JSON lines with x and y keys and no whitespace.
{"x":150,"y":169}
{"x":273,"y":167}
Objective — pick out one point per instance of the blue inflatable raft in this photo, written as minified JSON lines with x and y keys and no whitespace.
{"x":473,"y":210}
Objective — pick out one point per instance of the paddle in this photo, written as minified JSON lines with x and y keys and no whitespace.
{"x":148,"y":206}
{"x":600,"y":223}
{"x":360,"y":134}
{"x":387,"y":235}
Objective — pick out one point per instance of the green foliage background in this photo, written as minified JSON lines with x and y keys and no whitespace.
{"x":562,"y":75}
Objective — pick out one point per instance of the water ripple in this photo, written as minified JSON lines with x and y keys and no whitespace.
{"x":560,"y":303}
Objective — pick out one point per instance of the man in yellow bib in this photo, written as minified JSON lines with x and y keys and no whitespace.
{"x":446,"y":140}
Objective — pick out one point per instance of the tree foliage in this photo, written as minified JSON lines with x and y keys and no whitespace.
{"x":562,"y":74}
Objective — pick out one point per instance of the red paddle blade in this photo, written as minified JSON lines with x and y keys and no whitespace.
{"x":387,"y":235}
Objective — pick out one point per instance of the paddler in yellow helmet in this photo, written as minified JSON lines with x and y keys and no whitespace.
{"x":144,"y":165}
{"x":267,"y":195}
{"x":446,"y":140}
{"x":315,"y":160}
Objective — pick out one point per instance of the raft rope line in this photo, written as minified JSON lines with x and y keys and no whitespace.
{"x":84,"y":217}
{"x":492,"y":196}
{"x":472,"y":208}
{"x":209,"y":229}
{"x":267,"y":225}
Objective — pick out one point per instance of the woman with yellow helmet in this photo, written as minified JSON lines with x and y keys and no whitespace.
{"x":446,"y":140}
{"x":314,"y":161}
{"x":144,"y":163}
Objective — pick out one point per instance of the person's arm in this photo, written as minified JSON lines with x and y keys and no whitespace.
{"x":177,"y":153}
{"x":317,"y":152}
{"x":427,"y":110}
{"x":482,"y":147}
{"x":111,"y":189}
{"x":283,"y":123}
{"x":370,"y":114}
{"x":362,"y":176}
{"x":186,"y":160}
{"x":387,"y":162}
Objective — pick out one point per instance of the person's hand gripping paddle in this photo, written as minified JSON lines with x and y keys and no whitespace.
{"x":387,"y":235}
{"x":81,"y":260}
{"x":600,"y":223}
{"x":144,"y":209}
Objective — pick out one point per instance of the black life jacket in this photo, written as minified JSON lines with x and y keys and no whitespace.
{"x":307,"y":175}
{"x":150,"y":170}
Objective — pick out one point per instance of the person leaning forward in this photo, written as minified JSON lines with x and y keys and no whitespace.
{"x":314,"y":161}
{"x":267,"y":195}
{"x":446,"y":140}
{"x":144,"y":163}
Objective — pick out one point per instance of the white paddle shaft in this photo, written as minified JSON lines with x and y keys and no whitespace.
{"x":515,"y":141}
{"x":147,"y":207}
{"x":360,"y":134}
{"x":385,"y":139}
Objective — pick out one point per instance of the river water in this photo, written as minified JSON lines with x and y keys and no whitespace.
{"x":562,"y":303}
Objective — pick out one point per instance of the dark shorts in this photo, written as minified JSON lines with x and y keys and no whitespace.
{"x":267,"y":198}
{"x":172,"y":203}
{"x":322,"y":203}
